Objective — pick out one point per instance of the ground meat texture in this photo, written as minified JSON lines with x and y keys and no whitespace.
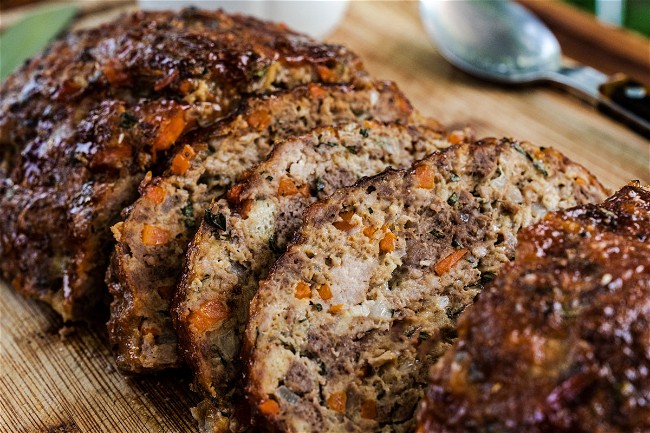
{"x":144,"y":272}
{"x":559,"y":342}
{"x":244,"y":234}
{"x":81,"y":124}
{"x":369,"y":345}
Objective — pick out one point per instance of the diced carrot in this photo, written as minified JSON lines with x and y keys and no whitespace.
{"x":208,"y":315}
{"x":316,"y":91}
{"x":336,"y":401}
{"x":369,"y":231}
{"x":325,"y":292}
{"x":152,"y":235}
{"x":156,"y":194}
{"x":287,"y":187}
{"x":246,"y":208}
{"x":335,"y":308}
{"x":234,"y":194}
{"x":326,"y":74}
{"x":170,"y":129}
{"x":259,"y":119}
{"x":269,"y":407}
{"x":425,"y":176}
{"x":580,"y":181}
{"x":444,"y":265}
{"x":346,"y":221}
{"x":182,"y":160}
{"x":369,"y":409}
{"x":113,"y":156}
{"x":304,"y":191}
{"x":387,"y":244}
{"x":303,"y":290}
{"x":456,"y":137}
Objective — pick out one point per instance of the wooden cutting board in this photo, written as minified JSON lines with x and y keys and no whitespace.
{"x":57,"y":380}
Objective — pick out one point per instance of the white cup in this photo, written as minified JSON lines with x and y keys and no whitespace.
{"x":317,"y":18}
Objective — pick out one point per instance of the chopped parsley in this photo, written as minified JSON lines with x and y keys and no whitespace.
{"x":352,"y":149}
{"x":127,"y":120}
{"x":188,"y":213}
{"x":217,"y":220}
{"x":453,"y":199}
{"x":364,"y":132}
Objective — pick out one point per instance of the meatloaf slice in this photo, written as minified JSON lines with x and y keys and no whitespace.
{"x":344,"y":329}
{"x":560,"y":342}
{"x":152,"y":239}
{"x":242,"y":236}
{"x":82,"y":123}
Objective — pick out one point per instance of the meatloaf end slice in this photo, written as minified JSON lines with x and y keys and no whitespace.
{"x":243,"y":234}
{"x":83,"y":122}
{"x":344,"y":329}
{"x":152,"y":239}
{"x":560,"y":340}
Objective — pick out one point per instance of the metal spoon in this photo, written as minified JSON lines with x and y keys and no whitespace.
{"x":502,"y":41}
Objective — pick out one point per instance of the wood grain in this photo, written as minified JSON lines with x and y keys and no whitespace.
{"x":55,"y":382}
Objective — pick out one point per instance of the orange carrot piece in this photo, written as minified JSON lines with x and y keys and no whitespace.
{"x":259,"y":119}
{"x":425,"y":176}
{"x":207,"y":315}
{"x":445,"y":265}
{"x":345,"y":224}
{"x":335,"y":308}
{"x":337,"y":401}
{"x":287,"y":187}
{"x":387,"y":244}
{"x":170,"y":129}
{"x":269,"y":407}
{"x":155,"y":193}
{"x":325,"y":292}
{"x":182,"y":161}
{"x":303,"y":290}
{"x":152,"y":235}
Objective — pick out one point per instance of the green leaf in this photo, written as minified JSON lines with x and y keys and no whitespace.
{"x":30,"y":35}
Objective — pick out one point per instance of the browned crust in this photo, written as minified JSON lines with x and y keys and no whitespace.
{"x":73,"y":158}
{"x":559,"y":342}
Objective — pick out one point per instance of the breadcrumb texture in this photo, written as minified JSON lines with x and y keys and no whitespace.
{"x":560,"y":341}
{"x":403,"y":254}
{"x":259,"y":217}
{"x":145,"y":270}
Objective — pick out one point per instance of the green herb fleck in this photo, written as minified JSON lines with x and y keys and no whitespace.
{"x":456,"y":244}
{"x":437,"y":233}
{"x":320,"y":185}
{"x":409,"y":332}
{"x":269,"y":178}
{"x":453,"y":199}
{"x":127,"y":120}
{"x":454,"y":177}
{"x":352,"y":149}
{"x":217,"y":220}
{"x":318,"y":307}
{"x":364,"y":132}
{"x":486,"y":277}
{"x":259,"y":73}
{"x":188,"y":213}
{"x":423,"y":336}
{"x":371,"y":211}
{"x":539,"y":166}
{"x":273,"y":246}
{"x":330,"y":144}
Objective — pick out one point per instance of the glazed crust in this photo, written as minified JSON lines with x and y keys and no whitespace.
{"x":559,"y":342}
{"x":402,"y":253}
{"x":82,"y":123}
{"x":142,"y":276}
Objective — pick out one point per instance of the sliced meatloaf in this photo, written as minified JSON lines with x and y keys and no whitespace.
{"x":82,"y":123}
{"x":344,"y":329}
{"x":152,"y":239}
{"x":242,"y":236}
{"x":560,"y":342}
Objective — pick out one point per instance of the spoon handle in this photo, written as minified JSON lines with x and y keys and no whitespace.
{"x":617,"y":96}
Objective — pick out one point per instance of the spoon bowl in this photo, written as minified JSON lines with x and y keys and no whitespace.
{"x":500,"y":40}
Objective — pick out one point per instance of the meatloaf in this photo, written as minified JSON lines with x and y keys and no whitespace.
{"x":81,"y":124}
{"x":560,"y":341}
{"x":343,"y":331}
{"x":152,"y":239}
{"x":243,"y":234}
